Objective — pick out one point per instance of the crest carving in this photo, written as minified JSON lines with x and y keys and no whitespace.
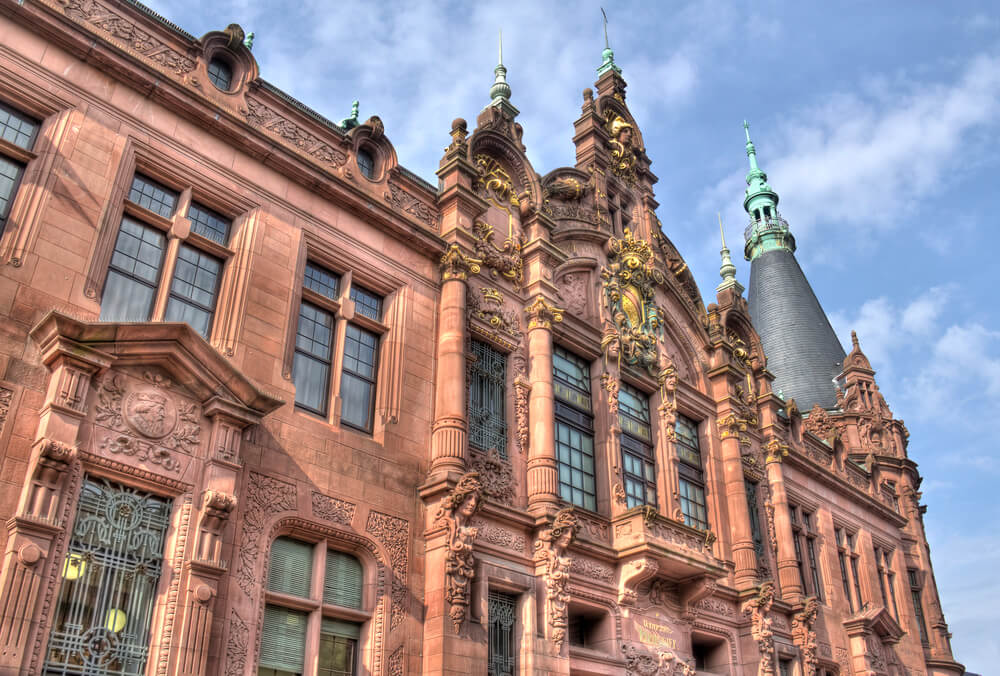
{"x":623,"y":151}
{"x":502,"y":260}
{"x":629,"y":283}
{"x":492,"y":311}
{"x":821,"y":424}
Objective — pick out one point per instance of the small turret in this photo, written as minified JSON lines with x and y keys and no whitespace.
{"x":727,"y":271}
{"x":767,"y":229}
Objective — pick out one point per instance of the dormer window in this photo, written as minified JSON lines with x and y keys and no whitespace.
{"x":366,"y":164}
{"x":221,"y":74}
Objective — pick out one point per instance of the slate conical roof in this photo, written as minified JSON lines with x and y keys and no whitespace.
{"x":802,"y":349}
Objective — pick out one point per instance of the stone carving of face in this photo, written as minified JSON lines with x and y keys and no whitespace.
{"x":625,"y":136}
{"x":469,"y":505}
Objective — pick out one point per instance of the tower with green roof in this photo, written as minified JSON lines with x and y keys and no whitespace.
{"x":801,"y":346}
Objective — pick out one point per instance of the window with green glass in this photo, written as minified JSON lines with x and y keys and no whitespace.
{"x":638,"y":463}
{"x":574,"y":427}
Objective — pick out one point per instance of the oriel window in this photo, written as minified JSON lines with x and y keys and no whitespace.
{"x":574,"y":429}
{"x":486,"y":374}
{"x":638,"y":462}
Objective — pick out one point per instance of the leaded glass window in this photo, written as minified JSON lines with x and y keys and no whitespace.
{"x":311,"y":366}
{"x":487,"y":378}
{"x":502,"y":634}
{"x":221,"y":74}
{"x":20,"y":131}
{"x":637,"y":447}
{"x":574,"y":429}
{"x":366,"y":303}
{"x":134,"y":273}
{"x":193,"y":289}
{"x":918,"y":606}
{"x":366,"y":163}
{"x":322,"y":281}
{"x":109,"y":579}
{"x":691,"y":475}
{"x":357,"y":382}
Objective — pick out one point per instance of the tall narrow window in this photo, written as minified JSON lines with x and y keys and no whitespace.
{"x":193,"y":291}
{"x":890,"y":581}
{"x":487,"y":378}
{"x":854,"y":568}
{"x":842,"y":555}
{"x":918,"y":606}
{"x":134,"y":273}
{"x":574,"y":429}
{"x":793,"y":512}
{"x":637,"y":447}
{"x":313,"y":352}
{"x":109,"y":580}
{"x":286,"y":624}
{"x":756,"y":531}
{"x":880,"y":571}
{"x":502,"y":637}
{"x":20,"y":132}
{"x":691,"y":480}
{"x":357,"y":382}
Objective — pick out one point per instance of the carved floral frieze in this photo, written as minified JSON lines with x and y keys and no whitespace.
{"x":333,"y":509}
{"x":501,"y":537}
{"x":266,"y":497}
{"x":496,"y":476}
{"x":259,"y":114}
{"x":393,"y":533}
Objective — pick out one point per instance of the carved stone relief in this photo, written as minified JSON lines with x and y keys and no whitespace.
{"x":266,"y":497}
{"x":621,"y":145}
{"x":455,"y":513}
{"x":146,"y":420}
{"x":6,"y":397}
{"x":760,"y":626}
{"x":574,"y":292}
{"x":804,"y":636}
{"x":394,"y":534}
{"x":237,"y":645}
{"x":504,"y":323}
{"x":522,"y":388}
{"x":550,"y":552}
{"x":664,"y":662}
{"x":496,"y":475}
{"x":333,"y":509}
{"x":629,"y":283}
{"x":400,"y":200}
{"x":591,"y":570}
{"x":261,"y":115}
{"x":501,"y":537}
{"x":504,"y":260}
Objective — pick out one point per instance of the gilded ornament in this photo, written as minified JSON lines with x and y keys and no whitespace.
{"x":503,"y":260}
{"x":456,"y":265}
{"x":775,"y":450}
{"x":623,"y":155}
{"x":541,"y":313}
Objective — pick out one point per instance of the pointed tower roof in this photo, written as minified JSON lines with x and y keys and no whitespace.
{"x":607,"y":55}
{"x":727,"y":270}
{"x":500,"y":91}
{"x":801,"y":346}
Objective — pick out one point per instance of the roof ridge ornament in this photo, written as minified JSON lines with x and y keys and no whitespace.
{"x":608,"y":54}
{"x":727,"y":270}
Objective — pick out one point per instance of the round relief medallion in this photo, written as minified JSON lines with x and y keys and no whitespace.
{"x":151,"y":413}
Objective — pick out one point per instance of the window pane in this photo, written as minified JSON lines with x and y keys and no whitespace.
{"x":109,"y":582}
{"x":208,"y":223}
{"x":315,"y":332}
{"x":357,"y":396}
{"x":359,"y":352}
{"x":366,"y":302}
{"x":290,"y":570}
{"x":693,"y":504}
{"x":10,"y":175}
{"x":220,"y":73}
{"x":502,"y":644}
{"x":343,"y":582}
{"x":366,"y":163}
{"x":192,"y":293}
{"x":576,"y":465}
{"x":322,"y":281}
{"x":283,"y":640}
{"x":336,"y":654}
{"x":312,"y":382}
{"x":149,"y":194}
{"x":125,"y":299}
{"x":16,"y":128}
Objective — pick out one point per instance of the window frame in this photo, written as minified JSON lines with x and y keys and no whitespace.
{"x":497,"y":427}
{"x":20,"y":156}
{"x":915,"y":579}
{"x":643,"y":451}
{"x":570,"y":413}
{"x":178,"y":231}
{"x":805,"y":535}
{"x":314,"y":605}
{"x":690,"y":474}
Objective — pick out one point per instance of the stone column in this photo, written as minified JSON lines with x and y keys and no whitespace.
{"x":744,"y":556}
{"x":543,"y":470}
{"x":788,"y":568}
{"x":450,"y":431}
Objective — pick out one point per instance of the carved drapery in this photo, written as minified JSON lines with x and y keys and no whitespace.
{"x":630,"y":279}
{"x":455,"y":513}
{"x":550,"y":553}
{"x":760,"y":626}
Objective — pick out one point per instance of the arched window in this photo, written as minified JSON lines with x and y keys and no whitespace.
{"x":295,"y":603}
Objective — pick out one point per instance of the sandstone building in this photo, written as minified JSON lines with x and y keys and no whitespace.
{"x":271,"y":404}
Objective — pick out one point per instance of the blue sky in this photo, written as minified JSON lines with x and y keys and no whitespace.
{"x":876,"y":122}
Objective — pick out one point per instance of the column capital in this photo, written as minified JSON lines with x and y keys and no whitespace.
{"x":542,"y":314}
{"x":774,"y":451}
{"x":456,"y":265}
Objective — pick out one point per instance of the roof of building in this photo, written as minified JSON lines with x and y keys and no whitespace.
{"x":801,"y":346}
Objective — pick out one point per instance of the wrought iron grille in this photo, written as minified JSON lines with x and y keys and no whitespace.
{"x":109,"y":580}
{"x":503,"y":642}
{"x":487,"y":377}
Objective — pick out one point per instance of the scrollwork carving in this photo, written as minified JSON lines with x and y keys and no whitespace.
{"x":629,"y":283}
{"x":550,"y":551}
{"x":496,"y":475}
{"x":542,"y":314}
{"x":455,"y":513}
{"x":502,"y":260}
{"x":261,"y":115}
{"x":456,"y":265}
{"x":804,"y":636}
{"x":333,"y":509}
{"x":408,"y":204}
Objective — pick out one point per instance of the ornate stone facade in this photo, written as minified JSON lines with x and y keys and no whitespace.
{"x":239,"y":448}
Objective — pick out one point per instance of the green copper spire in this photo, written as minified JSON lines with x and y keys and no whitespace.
{"x":768,"y":230}
{"x":727,"y":271}
{"x":608,"y":55}
{"x":500,"y":89}
{"x":351,"y":122}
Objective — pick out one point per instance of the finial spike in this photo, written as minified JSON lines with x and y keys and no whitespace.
{"x":746,"y":128}
{"x":607,"y":44}
{"x":500,"y":59}
{"x":721,"y":231}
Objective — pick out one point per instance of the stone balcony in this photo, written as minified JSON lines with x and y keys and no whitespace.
{"x":677,"y":551}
